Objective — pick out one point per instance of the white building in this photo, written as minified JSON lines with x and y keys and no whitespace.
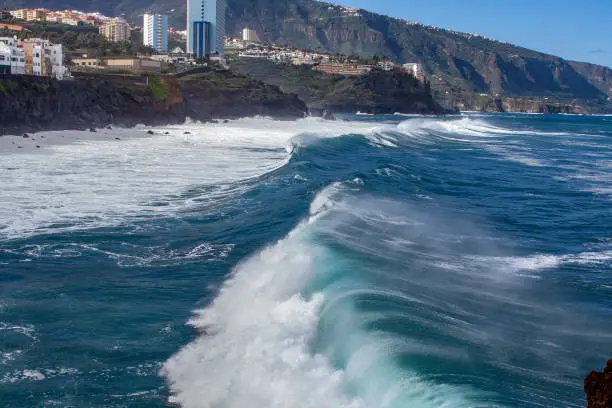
{"x":56,"y":57}
{"x":155,"y":32}
{"x":38,"y":59}
{"x":6,"y":53}
{"x":12,"y":57}
{"x":18,"y":62}
{"x":249,"y":35}
{"x":386,"y":65}
{"x":413,"y":67}
{"x":206,"y":27}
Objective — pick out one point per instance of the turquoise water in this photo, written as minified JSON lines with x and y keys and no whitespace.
{"x":375,"y":262}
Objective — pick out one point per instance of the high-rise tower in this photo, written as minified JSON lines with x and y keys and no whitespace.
{"x":206,"y":27}
{"x":155,"y":32}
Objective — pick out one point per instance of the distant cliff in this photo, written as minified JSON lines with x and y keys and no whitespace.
{"x":454,"y":61}
{"x":378,"y":92}
{"x":468,"y":101}
{"x":29,"y":103}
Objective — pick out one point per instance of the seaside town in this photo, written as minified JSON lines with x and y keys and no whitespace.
{"x":153,"y":46}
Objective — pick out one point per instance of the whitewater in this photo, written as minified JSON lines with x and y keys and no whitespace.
{"x":368,"y":262}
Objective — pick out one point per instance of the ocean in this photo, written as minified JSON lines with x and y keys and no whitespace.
{"x":375,"y":261}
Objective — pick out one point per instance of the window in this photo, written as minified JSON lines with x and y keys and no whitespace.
{"x":2,"y":58}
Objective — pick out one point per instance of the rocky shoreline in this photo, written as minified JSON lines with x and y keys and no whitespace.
{"x":32,"y":104}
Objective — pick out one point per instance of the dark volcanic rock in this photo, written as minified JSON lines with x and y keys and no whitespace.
{"x":31,"y":104}
{"x":226,"y":95}
{"x":382,"y":92}
{"x":379,"y":92}
{"x":598,"y":388}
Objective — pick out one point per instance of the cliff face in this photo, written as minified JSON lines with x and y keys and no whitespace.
{"x":598,"y":388}
{"x":226,"y":95}
{"x":34,"y":103}
{"x":379,"y":92}
{"x":486,"y":103}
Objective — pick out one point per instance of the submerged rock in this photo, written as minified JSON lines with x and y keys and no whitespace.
{"x":598,"y":388}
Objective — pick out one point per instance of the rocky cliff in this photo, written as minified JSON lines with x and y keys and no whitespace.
{"x":454,"y":61}
{"x":469,"y":101}
{"x":30,"y":103}
{"x":227,"y":95}
{"x":377,"y":93}
{"x":598,"y":388}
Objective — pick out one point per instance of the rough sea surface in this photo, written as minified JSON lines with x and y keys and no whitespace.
{"x":381,"y":261}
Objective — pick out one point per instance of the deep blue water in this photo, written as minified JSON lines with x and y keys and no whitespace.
{"x":377,"y":262}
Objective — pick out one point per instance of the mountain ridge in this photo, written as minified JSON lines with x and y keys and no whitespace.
{"x":459,"y":62}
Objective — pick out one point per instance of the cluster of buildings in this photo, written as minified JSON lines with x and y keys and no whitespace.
{"x":319,"y":61}
{"x":205,"y":37}
{"x":114,"y":29}
{"x":276,"y":53}
{"x":353,"y":68}
{"x":70,"y":17}
{"x":32,"y":56}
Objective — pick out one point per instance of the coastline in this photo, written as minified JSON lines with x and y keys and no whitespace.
{"x":31,"y":104}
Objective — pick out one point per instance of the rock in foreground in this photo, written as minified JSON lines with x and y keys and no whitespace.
{"x":598,"y":388}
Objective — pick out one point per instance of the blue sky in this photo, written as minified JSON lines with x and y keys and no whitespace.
{"x":577,"y":30}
